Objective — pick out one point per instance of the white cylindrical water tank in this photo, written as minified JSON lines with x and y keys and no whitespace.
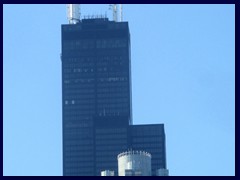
{"x":134,"y":163}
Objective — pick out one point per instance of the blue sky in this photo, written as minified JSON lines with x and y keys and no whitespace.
{"x":183,"y":75}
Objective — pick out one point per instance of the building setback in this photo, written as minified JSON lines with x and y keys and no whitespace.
{"x":96,"y":100}
{"x":150,"y":138}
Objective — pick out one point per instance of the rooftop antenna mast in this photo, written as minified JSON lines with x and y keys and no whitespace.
{"x":117,"y":12}
{"x":121,"y":12}
{"x":73,"y":13}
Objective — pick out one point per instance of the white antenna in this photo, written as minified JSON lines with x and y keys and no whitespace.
{"x":117,"y":12}
{"x":121,"y":12}
{"x":73,"y":13}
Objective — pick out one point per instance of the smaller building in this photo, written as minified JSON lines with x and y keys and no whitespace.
{"x":107,"y":173}
{"x":134,"y":163}
{"x":162,"y":172}
{"x":150,"y":138}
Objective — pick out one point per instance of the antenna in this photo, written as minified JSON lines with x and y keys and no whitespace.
{"x":73,"y":13}
{"x":117,"y":12}
{"x":121,"y":12}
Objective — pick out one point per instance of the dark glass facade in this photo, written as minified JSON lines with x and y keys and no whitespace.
{"x":150,"y":138}
{"x":110,"y":141}
{"x":96,"y":97}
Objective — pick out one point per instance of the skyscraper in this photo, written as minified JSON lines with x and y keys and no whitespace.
{"x":96,"y":98}
{"x":96,"y":93}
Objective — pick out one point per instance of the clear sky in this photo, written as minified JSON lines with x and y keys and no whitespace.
{"x":183,"y":75}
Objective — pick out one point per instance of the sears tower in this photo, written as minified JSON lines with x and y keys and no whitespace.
{"x":96,"y":96}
